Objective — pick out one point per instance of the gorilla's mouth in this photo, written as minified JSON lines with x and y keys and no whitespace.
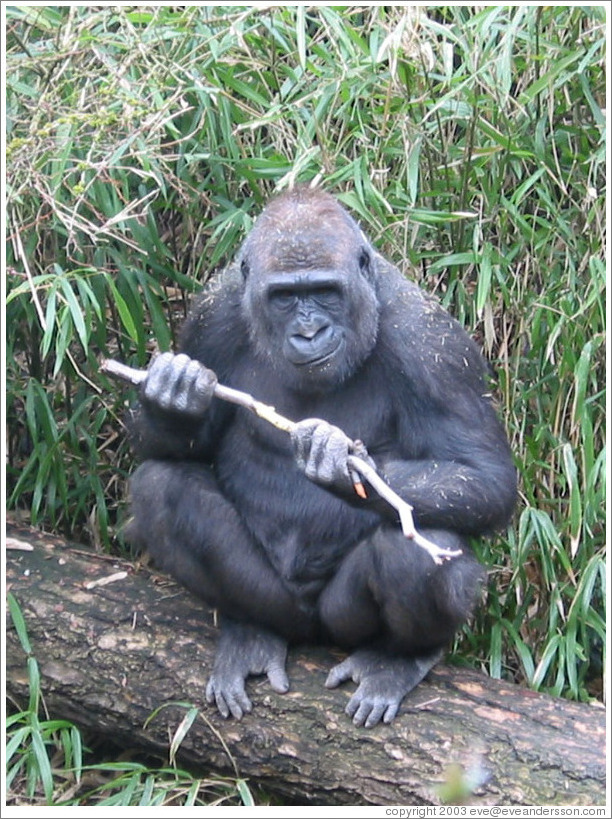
{"x":318,"y":359}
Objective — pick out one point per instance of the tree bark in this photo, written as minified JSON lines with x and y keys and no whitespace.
{"x":111,"y":654}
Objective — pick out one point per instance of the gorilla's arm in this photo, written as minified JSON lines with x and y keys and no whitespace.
{"x":451,"y":459}
{"x":177,"y":417}
{"x":174,"y":418}
{"x":445,"y":451}
{"x":467,"y":483}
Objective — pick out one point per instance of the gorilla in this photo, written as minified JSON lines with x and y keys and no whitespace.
{"x":266,"y":527}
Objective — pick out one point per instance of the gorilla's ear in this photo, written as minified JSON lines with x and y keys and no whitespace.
{"x":366,"y":263}
{"x":244,"y":268}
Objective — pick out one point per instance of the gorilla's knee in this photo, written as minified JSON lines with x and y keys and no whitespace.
{"x":422,"y":603}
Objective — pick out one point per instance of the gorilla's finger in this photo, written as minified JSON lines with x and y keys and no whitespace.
{"x":340,"y":673}
{"x":278,"y":679}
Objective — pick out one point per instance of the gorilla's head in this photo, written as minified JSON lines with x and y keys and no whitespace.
{"x":309,"y":298}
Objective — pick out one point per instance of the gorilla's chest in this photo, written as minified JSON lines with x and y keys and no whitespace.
{"x":362,"y":412}
{"x":304,"y":529}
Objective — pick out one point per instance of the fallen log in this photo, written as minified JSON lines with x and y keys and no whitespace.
{"x":115,"y":640}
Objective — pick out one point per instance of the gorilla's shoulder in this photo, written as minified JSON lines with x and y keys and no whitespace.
{"x":419,"y":330}
{"x":406,"y":306}
{"x":214,"y":330}
{"x":222,"y":291}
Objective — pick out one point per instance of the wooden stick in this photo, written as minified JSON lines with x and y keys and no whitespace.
{"x":356,"y":464}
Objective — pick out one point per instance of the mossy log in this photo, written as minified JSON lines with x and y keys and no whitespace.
{"x":111,"y":654}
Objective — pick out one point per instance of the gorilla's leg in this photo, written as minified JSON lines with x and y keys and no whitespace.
{"x":392,"y":603}
{"x":194,"y":533}
{"x":180,"y":516}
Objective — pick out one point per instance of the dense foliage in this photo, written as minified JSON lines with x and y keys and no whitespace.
{"x":469,"y":141}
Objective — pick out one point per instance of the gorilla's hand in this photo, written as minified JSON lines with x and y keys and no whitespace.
{"x":322,"y":451}
{"x":177,"y":383}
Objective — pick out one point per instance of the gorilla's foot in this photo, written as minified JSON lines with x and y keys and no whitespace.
{"x":383,"y":682}
{"x":242,"y":651}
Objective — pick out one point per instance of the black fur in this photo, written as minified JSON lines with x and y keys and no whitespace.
{"x":223,"y":504}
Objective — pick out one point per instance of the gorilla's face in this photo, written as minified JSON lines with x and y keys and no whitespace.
{"x":309,"y":308}
{"x":309,"y":301}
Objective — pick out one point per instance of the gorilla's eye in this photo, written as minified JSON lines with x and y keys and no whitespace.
{"x":326,"y":296}
{"x":282,"y":299}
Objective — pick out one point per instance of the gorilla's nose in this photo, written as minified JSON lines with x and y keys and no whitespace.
{"x":311,"y":344}
{"x":315,"y":333}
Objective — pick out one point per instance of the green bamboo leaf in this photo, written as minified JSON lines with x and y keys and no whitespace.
{"x":300,"y":25}
{"x":550,"y":652}
{"x":146,"y":797}
{"x":414,"y":163}
{"x":15,"y":771}
{"x":19,"y":622}
{"x":575,"y":506}
{"x":49,"y":330}
{"x":245,"y":793}
{"x":25,"y":289}
{"x":548,"y":78}
{"x":75,"y":312}
{"x":34,"y":683}
{"x":43,"y":766}
{"x":123,"y":310}
{"x":483,"y":286}
{"x":573,"y":655}
{"x":40,"y":17}
{"x":126,"y":796}
{"x":582,"y":375}
{"x":181,"y":732}
{"x":453,"y":259}
{"x":521,"y":649}
{"x":495,"y":652}
{"x":598,"y":114}
{"x":87,"y":293}
{"x":19,"y":738}
{"x":192,"y":794}
{"x":524,"y":188}
{"x":63,"y":338}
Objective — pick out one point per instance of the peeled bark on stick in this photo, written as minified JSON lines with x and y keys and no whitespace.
{"x":110,"y":653}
